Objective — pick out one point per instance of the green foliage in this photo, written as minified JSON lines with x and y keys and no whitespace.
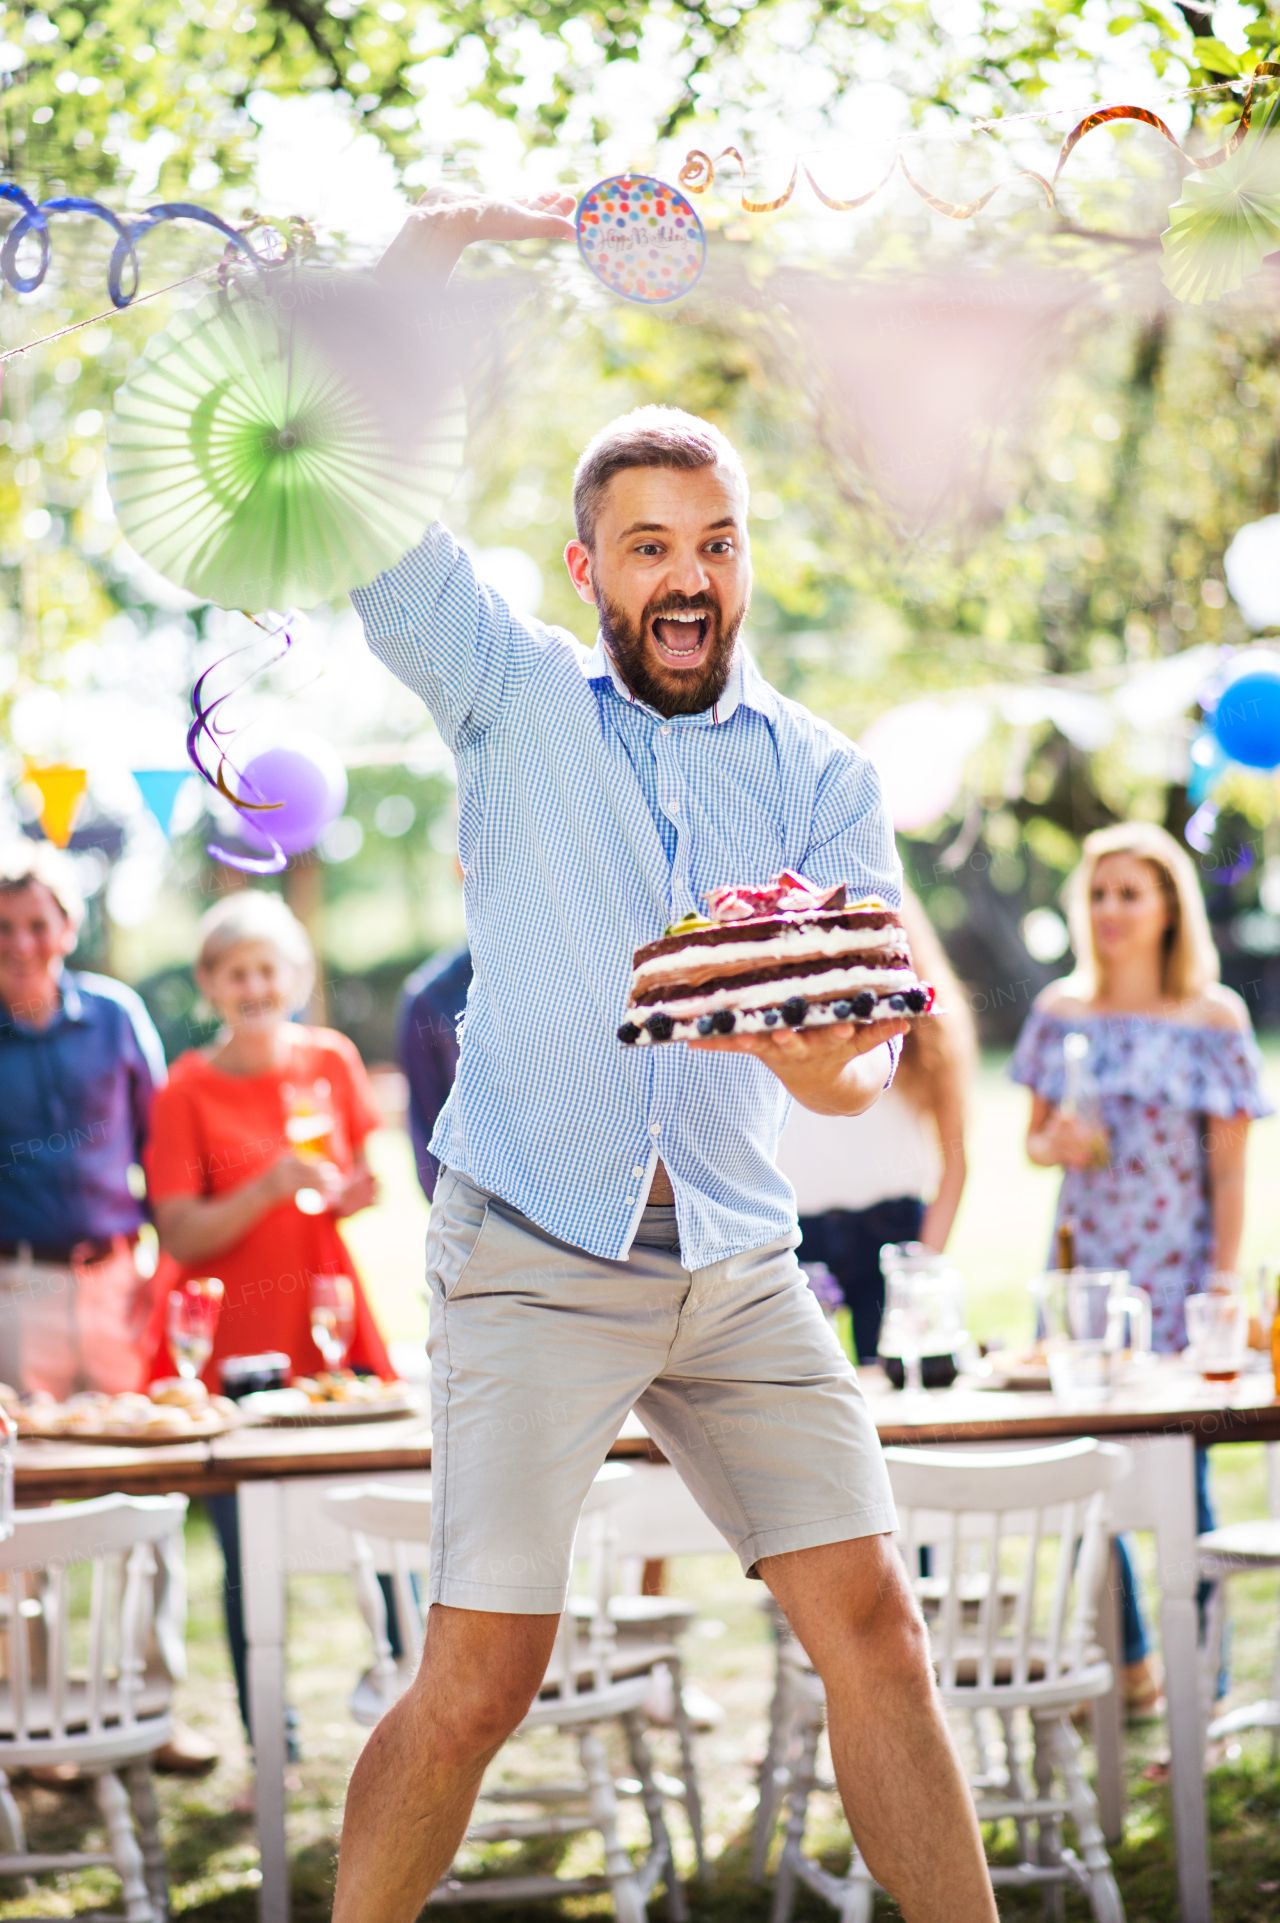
{"x":1135,"y":468}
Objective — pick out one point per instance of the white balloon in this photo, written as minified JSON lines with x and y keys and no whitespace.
{"x":920,"y":751}
{"x":1252,"y":564}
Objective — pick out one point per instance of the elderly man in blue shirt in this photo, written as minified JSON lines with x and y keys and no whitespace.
{"x":609,"y":1228}
{"x":79,"y":1062}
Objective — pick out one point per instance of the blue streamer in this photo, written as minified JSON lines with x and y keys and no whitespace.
{"x":33,"y":220}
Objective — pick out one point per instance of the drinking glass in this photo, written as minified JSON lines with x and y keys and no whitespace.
{"x":1080,"y":1095}
{"x":308,"y":1130}
{"x":1217,"y":1334}
{"x":333,"y":1317}
{"x":1095,"y":1326}
{"x":193,"y":1316}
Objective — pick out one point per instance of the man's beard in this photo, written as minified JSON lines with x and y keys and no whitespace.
{"x":668,"y":689}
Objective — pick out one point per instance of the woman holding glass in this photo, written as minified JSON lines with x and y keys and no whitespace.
{"x":257,"y":1147}
{"x":256,"y":1152}
{"x":1167,"y":1080}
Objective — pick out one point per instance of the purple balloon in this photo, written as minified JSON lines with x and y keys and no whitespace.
{"x":310,"y":782}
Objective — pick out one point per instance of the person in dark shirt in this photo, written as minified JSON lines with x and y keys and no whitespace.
{"x":431,"y":1005}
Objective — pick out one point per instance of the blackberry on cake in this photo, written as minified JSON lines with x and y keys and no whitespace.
{"x":789,"y":954}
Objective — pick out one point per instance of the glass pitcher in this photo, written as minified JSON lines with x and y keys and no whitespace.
{"x":924,"y":1326}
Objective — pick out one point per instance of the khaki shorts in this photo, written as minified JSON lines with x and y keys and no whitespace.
{"x":64,"y":1328}
{"x":538,"y":1353}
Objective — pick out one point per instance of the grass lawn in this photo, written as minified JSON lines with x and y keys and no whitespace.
{"x":1000,"y":1241}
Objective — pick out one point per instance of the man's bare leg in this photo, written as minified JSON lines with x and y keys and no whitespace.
{"x":900,"y":1779}
{"x":412,"y":1791}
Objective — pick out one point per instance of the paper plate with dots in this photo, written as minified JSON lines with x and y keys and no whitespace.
{"x":641,"y":238}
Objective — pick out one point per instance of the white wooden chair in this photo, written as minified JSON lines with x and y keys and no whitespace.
{"x":1239,"y":1549}
{"x":654,"y":1518}
{"x":589,"y":1682}
{"x":83,"y":1588}
{"x":1019,"y":1550}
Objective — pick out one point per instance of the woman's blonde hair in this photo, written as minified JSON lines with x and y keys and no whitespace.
{"x":1190,"y":961}
{"x":941,"y":1047}
{"x":252,"y":915}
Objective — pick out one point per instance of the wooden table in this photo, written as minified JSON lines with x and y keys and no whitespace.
{"x":280,"y":1475}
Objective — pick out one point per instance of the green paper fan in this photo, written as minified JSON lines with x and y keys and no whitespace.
{"x":274,"y":453}
{"x":1226,"y":223}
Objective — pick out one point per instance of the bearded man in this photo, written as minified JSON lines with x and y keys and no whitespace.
{"x":610,"y":1229}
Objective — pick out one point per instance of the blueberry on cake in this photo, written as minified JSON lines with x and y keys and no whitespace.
{"x":790,"y":954}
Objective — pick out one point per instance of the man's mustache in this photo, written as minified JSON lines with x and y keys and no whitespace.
{"x":685,"y":604}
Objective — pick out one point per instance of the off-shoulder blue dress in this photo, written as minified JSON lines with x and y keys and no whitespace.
{"x":1160,"y":1084}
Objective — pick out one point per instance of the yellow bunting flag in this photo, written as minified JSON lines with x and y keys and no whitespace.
{"x":61,"y":792}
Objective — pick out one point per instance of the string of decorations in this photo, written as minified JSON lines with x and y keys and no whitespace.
{"x":698,"y":172}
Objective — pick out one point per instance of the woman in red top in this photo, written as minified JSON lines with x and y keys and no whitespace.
{"x":226,"y":1178}
{"x":223,"y":1167}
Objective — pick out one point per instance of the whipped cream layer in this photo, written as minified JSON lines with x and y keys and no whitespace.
{"x":691,"y":960}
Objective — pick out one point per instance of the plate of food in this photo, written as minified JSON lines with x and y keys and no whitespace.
{"x":170,"y":1411}
{"x":330,"y":1399}
{"x":1016,"y":1370}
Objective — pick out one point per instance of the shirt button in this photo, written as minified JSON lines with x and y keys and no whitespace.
{"x":655,"y":1128}
{"x":630,"y":1201}
{"x":665,"y":729}
{"x":637,"y":1172}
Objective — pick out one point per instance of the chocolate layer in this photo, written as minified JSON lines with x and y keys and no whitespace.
{"x":766,"y":928}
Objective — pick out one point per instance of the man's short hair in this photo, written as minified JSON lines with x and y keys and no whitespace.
{"x":647,"y":437}
{"x":26,"y":863}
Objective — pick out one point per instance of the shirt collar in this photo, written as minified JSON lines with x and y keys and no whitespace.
{"x":72,"y":1010}
{"x":746,"y":687}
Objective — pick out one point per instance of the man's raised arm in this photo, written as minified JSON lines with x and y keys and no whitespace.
{"x":439,"y":629}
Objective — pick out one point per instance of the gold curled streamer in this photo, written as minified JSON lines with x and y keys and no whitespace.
{"x":257,"y":807}
{"x":966,"y":209}
{"x":847,"y":206}
{"x":699,"y":171}
{"x":1265,"y":69}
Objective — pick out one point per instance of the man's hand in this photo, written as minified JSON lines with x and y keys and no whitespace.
{"x":837,"y":1069}
{"x":446,"y":220}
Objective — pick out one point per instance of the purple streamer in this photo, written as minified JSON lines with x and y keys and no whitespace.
{"x":1226,"y":877}
{"x":205,"y":728}
{"x":1198,"y":833}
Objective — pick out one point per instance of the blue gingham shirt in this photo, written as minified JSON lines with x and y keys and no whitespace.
{"x":586,"y":823}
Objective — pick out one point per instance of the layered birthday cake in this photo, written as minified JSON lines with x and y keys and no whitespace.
{"x":789,"y":954}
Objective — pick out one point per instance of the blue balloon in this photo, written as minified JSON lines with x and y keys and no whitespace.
{"x":1208,"y":765}
{"x":1247,"y":719}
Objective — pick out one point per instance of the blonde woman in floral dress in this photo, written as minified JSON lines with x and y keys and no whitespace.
{"x":1176,"y":1073}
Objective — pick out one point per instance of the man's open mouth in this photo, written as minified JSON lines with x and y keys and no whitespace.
{"x":682,"y":637}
